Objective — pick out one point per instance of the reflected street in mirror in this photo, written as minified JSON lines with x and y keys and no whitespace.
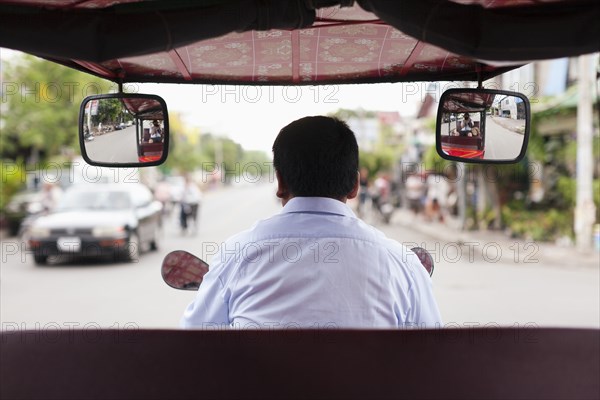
{"x":183,"y":270}
{"x":425,"y":258}
{"x":483,"y":125}
{"x":123,"y":130}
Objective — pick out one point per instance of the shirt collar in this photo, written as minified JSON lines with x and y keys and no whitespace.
{"x":323,"y":205}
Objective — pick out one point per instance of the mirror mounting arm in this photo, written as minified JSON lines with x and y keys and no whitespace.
{"x":120,"y":75}
{"x":479,"y":67}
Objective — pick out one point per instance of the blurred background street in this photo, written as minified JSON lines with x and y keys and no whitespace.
{"x":473,"y":286}
{"x":512,"y":243}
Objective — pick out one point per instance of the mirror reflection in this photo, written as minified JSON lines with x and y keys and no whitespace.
{"x":124,"y":129}
{"x":425,"y":258}
{"x":483,"y":125}
{"x":183,"y":270}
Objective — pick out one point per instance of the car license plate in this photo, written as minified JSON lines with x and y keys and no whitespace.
{"x":69,"y":244}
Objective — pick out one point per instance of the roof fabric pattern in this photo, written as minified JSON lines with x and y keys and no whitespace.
{"x":298,"y":41}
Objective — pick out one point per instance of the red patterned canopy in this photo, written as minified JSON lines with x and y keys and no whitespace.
{"x":287,"y":42}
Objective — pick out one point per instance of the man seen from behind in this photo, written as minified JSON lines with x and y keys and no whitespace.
{"x":315,"y":264}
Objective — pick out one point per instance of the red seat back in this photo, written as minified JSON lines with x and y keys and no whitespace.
{"x":443,"y":363}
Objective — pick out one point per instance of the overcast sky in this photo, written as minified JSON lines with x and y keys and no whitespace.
{"x":253,"y":115}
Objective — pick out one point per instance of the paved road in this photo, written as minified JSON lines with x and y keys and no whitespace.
{"x":117,"y":146}
{"x":117,"y":294}
{"x":501,"y":143}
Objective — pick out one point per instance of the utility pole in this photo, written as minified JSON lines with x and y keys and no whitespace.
{"x":585,"y":210}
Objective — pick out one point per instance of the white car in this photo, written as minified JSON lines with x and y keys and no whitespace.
{"x":117,"y":220}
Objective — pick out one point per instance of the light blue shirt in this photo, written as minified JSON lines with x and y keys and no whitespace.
{"x":314,"y":265}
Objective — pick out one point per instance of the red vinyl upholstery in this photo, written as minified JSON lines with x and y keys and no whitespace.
{"x":417,"y":364}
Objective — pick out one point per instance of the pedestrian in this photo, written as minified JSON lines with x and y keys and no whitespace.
{"x":436,"y":197}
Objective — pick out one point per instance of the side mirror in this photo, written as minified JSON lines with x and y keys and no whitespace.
{"x":183,"y":270}
{"x":124,"y":130}
{"x":425,"y":258}
{"x":482,"y":126}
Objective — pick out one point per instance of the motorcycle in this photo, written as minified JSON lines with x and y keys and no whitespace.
{"x":382,"y":199}
{"x":184,"y":271}
{"x":87,"y":135}
{"x":385,"y":209}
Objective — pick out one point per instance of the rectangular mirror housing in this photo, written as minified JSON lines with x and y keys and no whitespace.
{"x":482,"y":126}
{"x":124,"y":130}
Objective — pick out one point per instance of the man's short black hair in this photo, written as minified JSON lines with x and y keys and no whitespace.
{"x":317,"y":157}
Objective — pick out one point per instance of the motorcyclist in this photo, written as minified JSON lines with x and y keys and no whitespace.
{"x":381,"y":190}
{"x":315,"y":264}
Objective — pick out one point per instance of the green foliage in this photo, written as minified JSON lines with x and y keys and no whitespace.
{"x":221,"y":152}
{"x":385,"y":151}
{"x":433,"y":162}
{"x":109,"y":111}
{"x":375,"y":162}
{"x":257,"y":162}
{"x":41,"y":106}
{"x":554,"y":216}
{"x":256,"y":156}
{"x":539,"y":225}
{"x":184,"y":150}
{"x":508,"y":178}
{"x":535,"y":148}
{"x":567,"y":187}
{"x":431,"y":124}
{"x":191,"y":151}
{"x":13,"y":177}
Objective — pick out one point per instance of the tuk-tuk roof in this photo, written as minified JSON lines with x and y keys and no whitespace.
{"x":298,"y":41}
{"x":143,"y":107}
{"x":468,"y":102}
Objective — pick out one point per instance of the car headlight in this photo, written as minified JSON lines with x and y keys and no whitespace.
{"x":108,"y":231}
{"x":38,"y":232}
{"x":34,"y":208}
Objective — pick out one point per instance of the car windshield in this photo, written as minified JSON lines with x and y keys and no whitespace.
{"x":94,"y":200}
